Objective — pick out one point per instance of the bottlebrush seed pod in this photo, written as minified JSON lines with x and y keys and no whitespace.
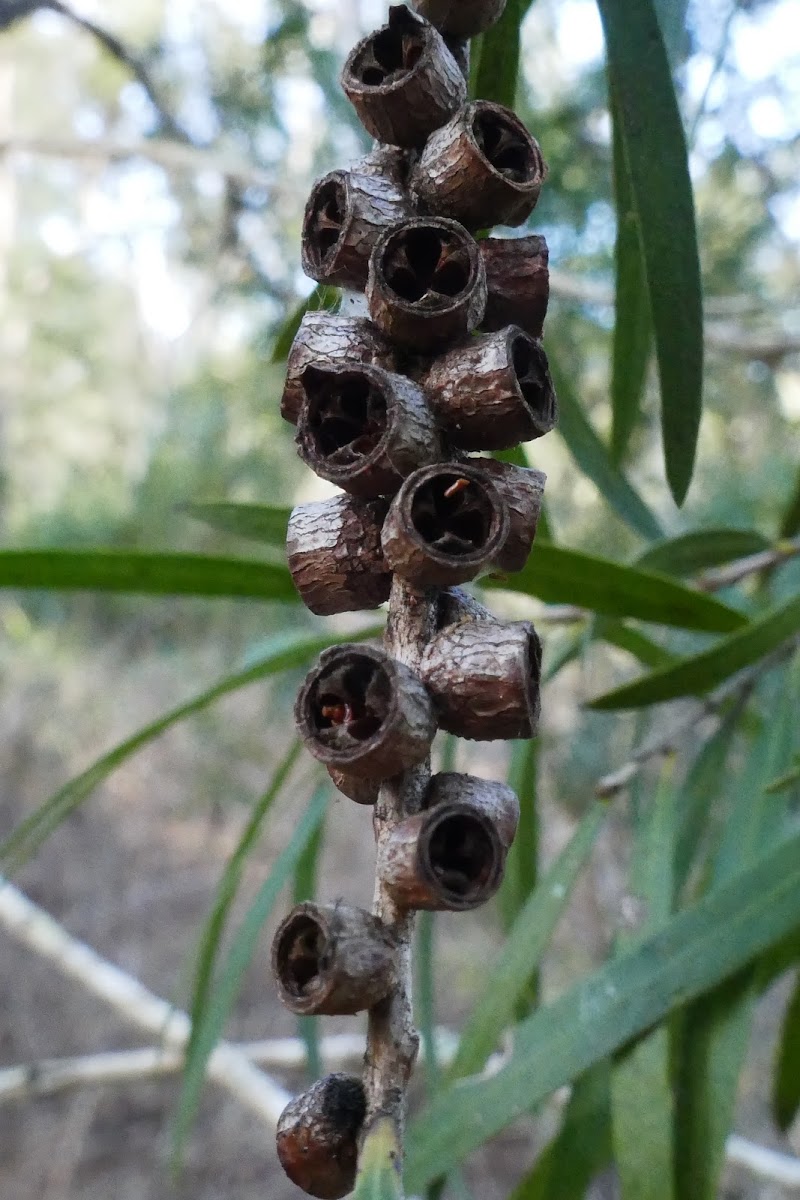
{"x":365,"y":713}
{"x":332,"y":960}
{"x":318,"y":1134}
{"x":445,"y":525}
{"x":365,"y":429}
{"x":461,"y":18}
{"x":482,"y":168}
{"x":335,"y":555}
{"x":449,"y":857}
{"x":454,"y":605}
{"x":518,"y":283}
{"x":497,"y":801}
{"x":427,"y":283}
{"x":345,"y":215}
{"x":484,"y":679}
{"x":493,"y":392}
{"x":325,"y":340}
{"x":361,"y":791}
{"x":522,"y":489}
{"x":402,"y":81}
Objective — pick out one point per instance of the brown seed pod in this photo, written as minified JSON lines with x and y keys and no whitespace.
{"x":518,"y":283}
{"x":484,"y":679}
{"x":522,"y":489}
{"x":497,"y":801}
{"x":449,"y":857}
{"x":324,"y":340}
{"x":335,"y":556}
{"x":365,"y":713}
{"x":493,"y":392}
{"x":482,"y":168}
{"x":461,"y":18}
{"x":454,"y":605}
{"x":361,"y":791}
{"x":426,"y":283}
{"x":402,"y":81}
{"x":445,"y":525}
{"x":364,"y":428}
{"x":318,"y":1134}
{"x":332,"y":960}
{"x":345,"y":215}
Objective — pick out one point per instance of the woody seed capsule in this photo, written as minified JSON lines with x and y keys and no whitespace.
{"x":497,"y":801}
{"x":522,"y":489}
{"x":364,"y":713}
{"x":445,"y":525}
{"x":426,"y":284}
{"x":332,"y":960}
{"x":402,"y":81}
{"x":324,"y":340}
{"x":482,"y":168}
{"x":461,"y":18}
{"x":345,"y":215}
{"x":360,"y":791}
{"x":518,"y":283}
{"x":364,"y":428}
{"x":335,"y":556}
{"x":484,"y":679}
{"x":492,"y":392}
{"x":317,"y":1136}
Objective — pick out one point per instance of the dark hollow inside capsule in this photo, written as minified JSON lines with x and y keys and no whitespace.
{"x":503,"y":146}
{"x":392,"y":53}
{"x":461,"y":855}
{"x":302,"y":955}
{"x":350,"y":702}
{"x":452,"y":514}
{"x":531,"y":377}
{"x":326,"y":222}
{"x":424,"y":263}
{"x":346,"y":416}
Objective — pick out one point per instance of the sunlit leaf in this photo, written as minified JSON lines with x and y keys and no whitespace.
{"x":379,"y":1175}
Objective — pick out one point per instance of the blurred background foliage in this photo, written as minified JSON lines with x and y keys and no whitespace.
{"x":150,"y":216}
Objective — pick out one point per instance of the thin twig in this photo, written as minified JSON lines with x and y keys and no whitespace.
{"x":37,"y":930}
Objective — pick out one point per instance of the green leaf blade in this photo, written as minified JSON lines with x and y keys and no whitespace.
{"x":786,"y":1087}
{"x":692,"y":552}
{"x":257,"y":522}
{"x":498,"y":66}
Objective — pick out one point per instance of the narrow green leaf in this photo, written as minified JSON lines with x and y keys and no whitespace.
{"x":210,"y":938}
{"x":226,"y":988}
{"x":284,"y":656}
{"x":636,"y":643}
{"x":582,"y":1147}
{"x":693,"y":552}
{"x":783,"y":783}
{"x":560,"y":576}
{"x":594,"y":460}
{"x":498,"y":66}
{"x":633,"y":332}
{"x":617,"y":1003}
{"x":258,"y":522}
{"x":322,"y":297}
{"x":695,"y":675}
{"x":661,"y":191}
{"x":790,"y":524}
{"x":786,"y":1086}
{"x":522,"y":864}
{"x":379,"y":1175}
{"x":145,"y":574}
{"x":527,"y":941}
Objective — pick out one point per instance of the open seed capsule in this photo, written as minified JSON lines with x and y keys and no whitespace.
{"x":335,"y":556}
{"x":364,"y":428}
{"x":360,"y":791}
{"x":325,"y":340}
{"x":332,"y":960}
{"x":402,"y":81}
{"x":317,"y":1137}
{"x":522,"y":489}
{"x":427,"y":283}
{"x":484,"y":679}
{"x":445,"y":525}
{"x":461,"y":18}
{"x":482,"y":168}
{"x":518,"y":283}
{"x":364,"y":713}
{"x":497,"y":801}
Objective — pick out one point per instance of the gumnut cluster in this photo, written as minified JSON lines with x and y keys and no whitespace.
{"x":394,"y":404}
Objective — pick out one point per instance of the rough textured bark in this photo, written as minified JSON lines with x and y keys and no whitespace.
{"x":482,"y":168}
{"x":335,"y":556}
{"x":365,"y":713}
{"x":493,"y":392}
{"x":517,"y":281}
{"x":495,"y":800}
{"x":462,"y":18}
{"x":345,"y":215}
{"x":365,"y":429}
{"x":324,"y":340}
{"x":456,"y":605}
{"x":485,"y":680}
{"x":445,"y":525}
{"x":427,"y":284}
{"x":318,"y":1137}
{"x":522,"y":489}
{"x":403,"y":81}
{"x":332,"y":960}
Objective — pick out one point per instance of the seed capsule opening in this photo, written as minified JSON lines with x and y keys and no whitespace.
{"x":503,"y":145}
{"x":390,"y":55}
{"x":350,"y":702}
{"x":301,"y":955}
{"x":452,"y":514}
{"x":461,"y":853}
{"x":533,"y":379}
{"x":425,"y":262}
{"x":325,"y":223}
{"x":346,"y":415}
